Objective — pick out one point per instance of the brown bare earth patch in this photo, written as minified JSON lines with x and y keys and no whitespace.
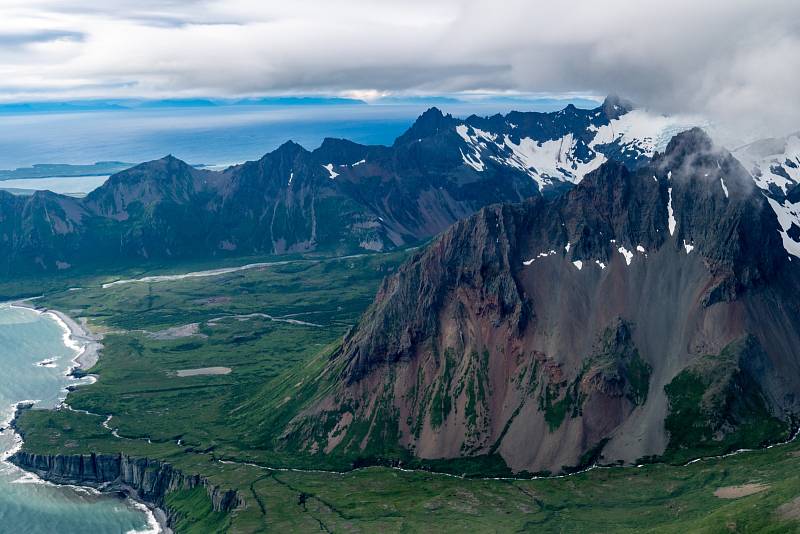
{"x":790,"y":510}
{"x":465,"y":503}
{"x":177,"y":332}
{"x":735,"y":492}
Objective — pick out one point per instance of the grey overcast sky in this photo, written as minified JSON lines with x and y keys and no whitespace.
{"x":732,"y":60}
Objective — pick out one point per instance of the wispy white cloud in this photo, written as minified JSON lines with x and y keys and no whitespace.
{"x":734,"y":60}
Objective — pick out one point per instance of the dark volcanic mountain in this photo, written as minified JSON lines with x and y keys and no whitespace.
{"x":646,"y":312}
{"x":339,"y":198}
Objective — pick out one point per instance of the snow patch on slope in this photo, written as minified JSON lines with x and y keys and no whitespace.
{"x":478,"y":141}
{"x":788,"y":214}
{"x":473,"y":160}
{"x":541,"y":255}
{"x":627,"y":254}
{"x":772,"y":162}
{"x":546,"y":162}
{"x":671,"y":214}
{"x":637,"y":133}
{"x":332,"y":174}
{"x":549,"y":161}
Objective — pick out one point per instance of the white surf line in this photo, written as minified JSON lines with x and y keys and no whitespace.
{"x":78,"y":341}
{"x":221,"y":271}
{"x":6,"y":426}
{"x":153,"y":525}
{"x":75,"y":341}
{"x":14,"y":407}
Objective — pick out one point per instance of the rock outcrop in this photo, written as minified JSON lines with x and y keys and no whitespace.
{"x":149,"y":480}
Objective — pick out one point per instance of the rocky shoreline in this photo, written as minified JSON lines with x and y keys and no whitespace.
{"x":144,"y":480}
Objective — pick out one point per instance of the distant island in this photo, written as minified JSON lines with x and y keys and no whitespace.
{"x":49,"y":170}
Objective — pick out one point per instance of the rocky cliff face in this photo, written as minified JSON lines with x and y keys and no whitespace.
{"x":151,"y":480}
{"x":561,"y":331}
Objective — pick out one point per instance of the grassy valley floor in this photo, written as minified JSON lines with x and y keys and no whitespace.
{"x":191,"y":366}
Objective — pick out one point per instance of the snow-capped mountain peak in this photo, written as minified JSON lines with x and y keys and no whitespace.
{"x":564,"y":146}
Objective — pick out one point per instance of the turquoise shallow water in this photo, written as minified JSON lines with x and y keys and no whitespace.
{"x":33,"y":363}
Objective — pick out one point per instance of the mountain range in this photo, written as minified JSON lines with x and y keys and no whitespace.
{"x":339,"y":198}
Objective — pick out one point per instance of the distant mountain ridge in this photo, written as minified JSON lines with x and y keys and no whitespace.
{"x":339,"y":198}
{"x":344,"y":197}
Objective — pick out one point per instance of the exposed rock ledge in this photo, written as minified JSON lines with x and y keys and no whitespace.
{"x":147,"y":480}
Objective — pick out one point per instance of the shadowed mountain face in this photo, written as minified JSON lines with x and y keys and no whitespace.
{"x":775,"y":166}
{"x":339,"y":198}
{"x":646,"y":312}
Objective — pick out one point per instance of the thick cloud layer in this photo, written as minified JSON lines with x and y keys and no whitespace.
{"x":736,"y":61}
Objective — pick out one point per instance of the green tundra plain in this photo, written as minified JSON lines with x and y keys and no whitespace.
{"x":275,"y":328}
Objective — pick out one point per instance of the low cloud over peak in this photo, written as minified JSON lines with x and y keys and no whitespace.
{"x":735,"y":61}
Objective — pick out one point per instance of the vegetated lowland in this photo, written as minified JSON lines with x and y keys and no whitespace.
{"x":275,"y":328}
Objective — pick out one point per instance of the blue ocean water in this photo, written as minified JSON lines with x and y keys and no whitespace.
{"x":34,"y":361}
{"x":211,"y":135}
{"x":215,"y":136}
{"x":65,"y":185}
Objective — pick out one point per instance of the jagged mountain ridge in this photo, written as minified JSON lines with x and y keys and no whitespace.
{"x":344,"y":197}
{"x":338,"y":198}
{"x":565,"y":330}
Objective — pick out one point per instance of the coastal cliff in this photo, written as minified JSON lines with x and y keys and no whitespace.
{"x":147,"y":480}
